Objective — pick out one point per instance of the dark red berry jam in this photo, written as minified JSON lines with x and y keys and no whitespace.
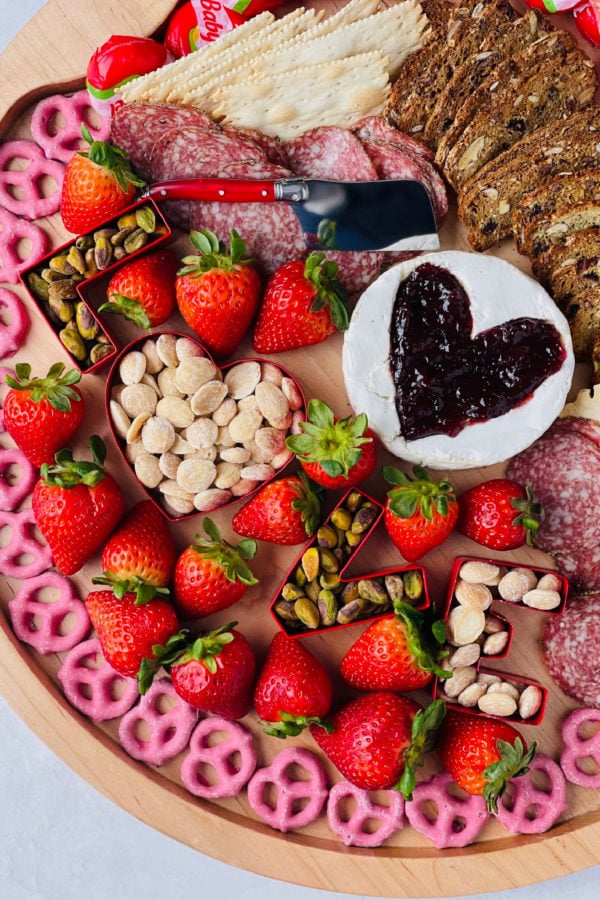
{"x":445,"y":379}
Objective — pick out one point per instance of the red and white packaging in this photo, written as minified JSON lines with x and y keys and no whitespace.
{"x":199,"y":22}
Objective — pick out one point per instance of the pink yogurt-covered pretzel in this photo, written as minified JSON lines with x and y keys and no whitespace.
{"x":225,"y":750}
{"x":527,"y":809}
{"x":578,"y":749}
{"x":56,"y":124}
{"x":92,"y":686}
{"x":14,"y":323}
{"x":26,"y":191}
{"x":352,"y":828}
{"x":50,"y":626}
{"x":17,"y":478}
{"x":4,"y":370}
{"x":168,"y":728}
{"x":24,"y":556}
{"x":289,"y":789}
{"x":14,"y":231}
{"x":458,"y":821}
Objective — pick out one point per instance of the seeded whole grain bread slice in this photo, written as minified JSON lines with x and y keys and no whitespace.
{"x":573,"y":275}
{"x":555,"y":228}
{"x":563,"y":81}
{"x":583,"y":316}
{"x":546,"y":199}
{"x":508,"y":71}
{"x":581,"y":244}
{"x":509,"y":39}
{"x":414,"y":93}
{"x":486,"y":203}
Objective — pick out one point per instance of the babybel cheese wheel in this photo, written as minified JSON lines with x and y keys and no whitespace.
{"x":121,"y":58}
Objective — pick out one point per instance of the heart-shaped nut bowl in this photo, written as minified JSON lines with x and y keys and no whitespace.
{"x":196,"y":435}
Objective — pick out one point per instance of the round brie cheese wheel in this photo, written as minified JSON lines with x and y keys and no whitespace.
{"x":497,"y":292}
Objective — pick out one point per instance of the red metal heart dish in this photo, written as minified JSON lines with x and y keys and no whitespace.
{"x":198,"y":436}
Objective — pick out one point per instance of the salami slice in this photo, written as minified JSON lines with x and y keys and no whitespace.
{"x":563,"y":468}
{"x":391,"y":161}
{"x":191,"y":151}
{"x":570,"y":649}
{"x":136,"y":126}
{"x":274,"y":149}
{"x":330,"y":152}
{"x":375,"y":128}
{"x":581,"y":565}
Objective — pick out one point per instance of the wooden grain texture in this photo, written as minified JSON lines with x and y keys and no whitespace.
{"x":35,"y":64}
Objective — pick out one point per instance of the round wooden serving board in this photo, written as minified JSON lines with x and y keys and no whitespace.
{"x":49,"y":56}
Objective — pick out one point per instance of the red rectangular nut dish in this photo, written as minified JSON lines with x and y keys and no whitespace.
{"x":474,"y":632}
{"x":57,"y":283}
{"x":316,"y":596}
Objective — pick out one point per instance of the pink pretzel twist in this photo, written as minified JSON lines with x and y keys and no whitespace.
{"x":458,"y":821}
{"x":92,"y":686}
{"x":525,"y":808}
{"x":24,"y":556}
{"x":218,"y":769}
{"x":289,"y":790}
{"x":49,"y":626}
{"x":577,"y":748}
{"x":4,"y":370}
{"x":56,"y":124}
{"x":353,"y":828}
{"x":168,"y":730}
{"x":14,"y":325}
{"x":23,"y":191}
{"x":15,"y":486}
{"x":14,"y":230}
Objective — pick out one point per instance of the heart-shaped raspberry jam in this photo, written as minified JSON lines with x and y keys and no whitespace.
{"x":445,"y":377}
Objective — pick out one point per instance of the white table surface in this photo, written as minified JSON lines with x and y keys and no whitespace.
{"x":61,"y":840}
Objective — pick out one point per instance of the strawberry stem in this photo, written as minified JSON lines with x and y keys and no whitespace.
{"x":67,"y":472}
{"x":213,"y":254}
{"x":232,"y":558}
{"x":112,"y":158}
{"x":529,"y":514}
{"x":322,"y":273}
{"x":425,"y":638}
{"x":334,"y":444}
{"x":56,"y":388}
{"x":514,"y":761}
{"x":425,"y":726}
{"x":291,"y":725}
{"x":417,"y":494}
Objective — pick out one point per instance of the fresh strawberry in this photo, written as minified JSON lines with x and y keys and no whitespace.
{"x":293,"y":688}
{"x":213,"y":673}
{"x":399,"y":653}
{"x":303,"y":304}
{"x":285,"y":511}
{"x":140,"y":555}
{"x":218,"y":292}
{"x":499,"y":514}
{"x":42,"y":414}
{"x":143,"y":289}
{"x":77,"y":505}
{"x":128,"y":630}
{"x":379,"y":739}
{"x":98,"y":184}
{"x":419,"y":513}
{"x":336,"y":453}
{"x":482,"y":754}
{"x":212,"y":574}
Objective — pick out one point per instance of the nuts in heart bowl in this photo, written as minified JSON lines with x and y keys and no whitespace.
{"x":196,"y":435}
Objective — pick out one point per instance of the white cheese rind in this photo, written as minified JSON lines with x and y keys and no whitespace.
{"x":497,"y":291}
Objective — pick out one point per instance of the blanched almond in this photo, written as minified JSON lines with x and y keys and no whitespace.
{"x":465,"y":624}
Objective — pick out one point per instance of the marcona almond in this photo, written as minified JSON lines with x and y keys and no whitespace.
{"x":497,"y":704}
{"x":467,"y":655}
{"x":471,"y":694}
{"x":540,"y":599}
{"x":471,"y":594}
{"x":132,"y":367}
{"x":477,"y":571}
{"x":495,"y":643}
{"x":461,"y":678}
{"x":465,"y":624}
{"x":530,"y":701}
